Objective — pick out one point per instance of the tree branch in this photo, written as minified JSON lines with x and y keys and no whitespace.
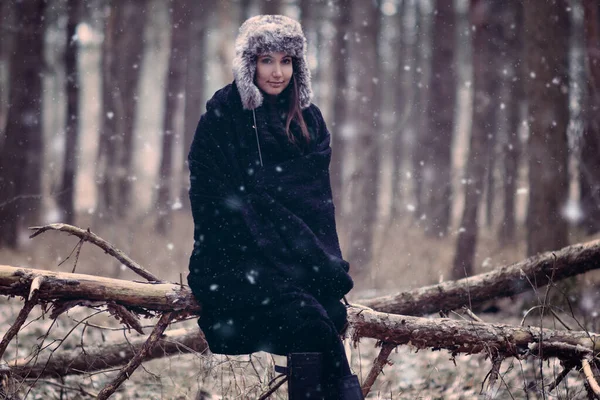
{"x":30,"y":302}
{"x":378,"y":364}
{"x":88,"y":236}
{"x":501,"y":282}
{"x":108,"y":356}
{"x":137,"y":359}
{"x":150,"y":296}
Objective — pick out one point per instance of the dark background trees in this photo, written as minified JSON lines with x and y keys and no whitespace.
{"x":22,"y":151}
{"x":463,"y":134}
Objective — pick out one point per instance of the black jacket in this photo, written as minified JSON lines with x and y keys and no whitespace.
{"x":260,"y":231}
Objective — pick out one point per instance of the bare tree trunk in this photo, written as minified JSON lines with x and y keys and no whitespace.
{"x":484,"y":86}
{"x":271,"y":7}
{"x":440,"y":112}
{"x":340,"y":104}
{"x":5,"y":50}
{"x":589,"y":176}
{"x":130,"y":51}
{"x":21,"y":157}
{"x":511,"y":149}
{"x":245,"y":9}
{"x":107,"y":196}
{"x":405,"y":99}
{"x":66,"y":196}
{"x":122,"y":53}
{"x":194,"y":86}
{"x":180,"y":22}
{"x":420,"y":123}
{"x":365,"y":176}
{"x":547,"y":49}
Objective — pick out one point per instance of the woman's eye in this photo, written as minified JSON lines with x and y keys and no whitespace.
{"x":266,"y":61}
{"x":287,"y":61}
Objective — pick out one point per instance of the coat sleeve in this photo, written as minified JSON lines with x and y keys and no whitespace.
{"x":216,"y":189}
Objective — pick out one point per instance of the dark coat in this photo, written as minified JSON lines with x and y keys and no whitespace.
{"x":261,"y":233}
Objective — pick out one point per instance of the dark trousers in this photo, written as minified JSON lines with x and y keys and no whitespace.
{"x":293,"y":322}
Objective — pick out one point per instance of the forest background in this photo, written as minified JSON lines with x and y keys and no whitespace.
{"x":465,"y":133}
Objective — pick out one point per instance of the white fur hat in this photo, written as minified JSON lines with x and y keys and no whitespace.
{"x":267,"y":34}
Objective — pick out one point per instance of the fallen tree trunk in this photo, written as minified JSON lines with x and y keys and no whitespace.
{"x":65,"y":286}
{"x":509,"y":280}
{"x":471,"y":337}
{"x":106,"y":356}
{"x":456,"y":336}
{"x":531,"y":273}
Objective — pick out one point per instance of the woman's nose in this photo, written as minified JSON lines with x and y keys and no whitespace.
{"x":277,"y":70}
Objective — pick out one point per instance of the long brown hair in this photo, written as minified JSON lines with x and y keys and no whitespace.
{"x":295,"y":113}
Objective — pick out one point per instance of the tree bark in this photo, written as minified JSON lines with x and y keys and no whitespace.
{"x":509,"y":280}
{"x":122,"y":53}
{"x":63,"y":286}
{"x":440,"y":113}
{"x":194,"y":87}
{"x":484,"y":87}
{"x":66,"y":197}
{"x":365,"y":144}
{"x":469,"y":337}
{"x":419,"y":121}
{"x":547,"y":49}
{"x":5,"y":50}
{"x":21,"y":157}
{"x":340,"y":115}
{"x":456,"y":336}
{"x":180,"y":22}
{"x":511,"y":149}
{"x":405,"y":99}
{"x":528,"y":274}
{"x":271,"y":7}
{"x":107,"y":356}
{"x":589,"y":175}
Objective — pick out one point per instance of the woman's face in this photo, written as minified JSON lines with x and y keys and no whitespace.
{"x":273,"y":72}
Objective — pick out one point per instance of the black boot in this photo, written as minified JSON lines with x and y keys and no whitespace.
{"x":349,"y":388}
{"x":304,"y":371}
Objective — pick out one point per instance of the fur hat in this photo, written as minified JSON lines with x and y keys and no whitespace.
{"x":267,"y":34}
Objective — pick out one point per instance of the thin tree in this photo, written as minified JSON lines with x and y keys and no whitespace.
{"x":511,"y":150}
{"x":66,"y":196}
{"x":21,"y":157}
{"x":122,"y":53}
{"x":440,"y":113}
{"x":419,"y":122}
{"x":271,"y":6}
{"x":5,"y":51}
{"x":340,"y":115}
{"x":107,"y":196}
{"x":365,"y":176}
{"x":194,"y":86}
{"x":181,"y":12}
{"x":546,"y":50}
{"x":479,"y":148}
{"x":589,"y":176}
{"x":405,"y":97}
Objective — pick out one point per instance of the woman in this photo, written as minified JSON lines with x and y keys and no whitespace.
{"x":266,"y":264}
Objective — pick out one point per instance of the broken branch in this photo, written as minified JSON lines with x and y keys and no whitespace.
{"x":137,"y":359}
{"x":89,"y":236}
{"x":378,"y":364}
{"x":30,"y":302}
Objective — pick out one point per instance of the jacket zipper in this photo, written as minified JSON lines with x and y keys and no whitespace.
{"x":257,"y":141}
